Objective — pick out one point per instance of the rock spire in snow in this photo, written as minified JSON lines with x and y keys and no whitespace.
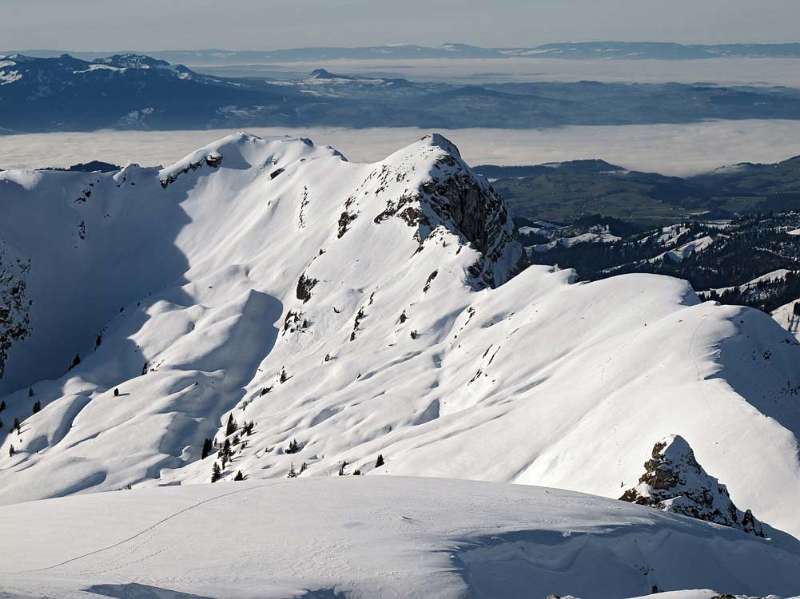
{"x":675,"y":482}
{"x":453,"y":197}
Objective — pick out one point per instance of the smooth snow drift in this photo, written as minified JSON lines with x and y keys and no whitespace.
{"x":377,"y":537}
{"x":356,"y":310}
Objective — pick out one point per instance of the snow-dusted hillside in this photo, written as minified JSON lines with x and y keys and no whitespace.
{"x":130,"y":91}
{"x":358,"y":310}
{"x":377,"y":537}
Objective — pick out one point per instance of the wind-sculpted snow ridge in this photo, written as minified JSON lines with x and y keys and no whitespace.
{"x":317,"y":314}
{"x":378,"y":537}
{"x":674,"y":482}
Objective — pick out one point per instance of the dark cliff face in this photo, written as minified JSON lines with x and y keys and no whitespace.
{"x":449,"y":197}
{"x":15,"y":320}
{"x":467,"y":204}
{"x":675,"y":482}
{"x":481,"y":218}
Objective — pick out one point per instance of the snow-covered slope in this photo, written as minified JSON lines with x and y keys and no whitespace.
{"x":360,"y":309}
{"x":377,"y":537}
{"x":788,"y":318}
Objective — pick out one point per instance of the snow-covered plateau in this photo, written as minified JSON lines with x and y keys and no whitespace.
{"x":376,"y":537}
{"x":265,"y":309}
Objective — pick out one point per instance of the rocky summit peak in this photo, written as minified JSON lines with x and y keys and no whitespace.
{"x":440,"y":141}
{"x":675,"y":482}
{"x":431,"y":188}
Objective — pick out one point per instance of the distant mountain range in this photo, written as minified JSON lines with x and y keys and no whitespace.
{"x":733,"y":233}
{"x":567,"y":192}
{"x":131,"y":91}
{"x":574,"y":50}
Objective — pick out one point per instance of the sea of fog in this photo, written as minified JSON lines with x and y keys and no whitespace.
{"x":669,"y":149}
{"x":718,"y":71}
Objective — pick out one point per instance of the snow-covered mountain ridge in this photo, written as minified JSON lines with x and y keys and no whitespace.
{"x":358,"y":310}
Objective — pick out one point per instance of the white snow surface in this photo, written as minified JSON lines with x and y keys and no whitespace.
{"x":377,"y":537}
{"x":8,"y":74}
{"x":689,"y":249}
{"x":538,"y":381}
{"x":766,"y":277}
{"x":592,"y":237}
{"x":786,"y":318}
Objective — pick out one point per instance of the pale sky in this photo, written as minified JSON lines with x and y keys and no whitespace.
{"x":100,"y":25}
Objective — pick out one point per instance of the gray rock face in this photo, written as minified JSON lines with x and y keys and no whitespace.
{"x":675,"y":482}
{"x":15,"y":320}
{"x":455,"y":199}
{"x":463,"y":202}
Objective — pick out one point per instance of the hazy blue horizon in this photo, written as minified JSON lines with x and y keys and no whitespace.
{"x":153,"y":25}
{"x":121,"y":49}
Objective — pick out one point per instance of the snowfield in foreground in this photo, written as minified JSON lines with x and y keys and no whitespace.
{"x":376,"y":537}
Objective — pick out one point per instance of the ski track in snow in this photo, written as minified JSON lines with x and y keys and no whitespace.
{"x":138,"y":534}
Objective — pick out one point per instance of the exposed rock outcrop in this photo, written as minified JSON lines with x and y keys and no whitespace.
{"x":675,"y":482}
{"x":15,"y":320}
{"x":455,"y":198}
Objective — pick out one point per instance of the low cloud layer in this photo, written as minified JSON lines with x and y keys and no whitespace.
{"x":718,"y":71}
{"x":669,"y":149}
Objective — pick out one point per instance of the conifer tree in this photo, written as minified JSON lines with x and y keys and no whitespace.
{"x":231,"y":427}
{"x":215,"y":473}
{"x":342,"y":467}
{"x":226,"y":452}
{"x":206,"y":448}
{"x":239,"y":476}
{"x":30,"y":391}
{"x":11,"y":451}
{"x":37,"y":406}
{"x":379,"y":462}
{"x":2,"y":405}
{"x":16,"y":426}
{"x":116,"y":391}
{"x":75,"y":361}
